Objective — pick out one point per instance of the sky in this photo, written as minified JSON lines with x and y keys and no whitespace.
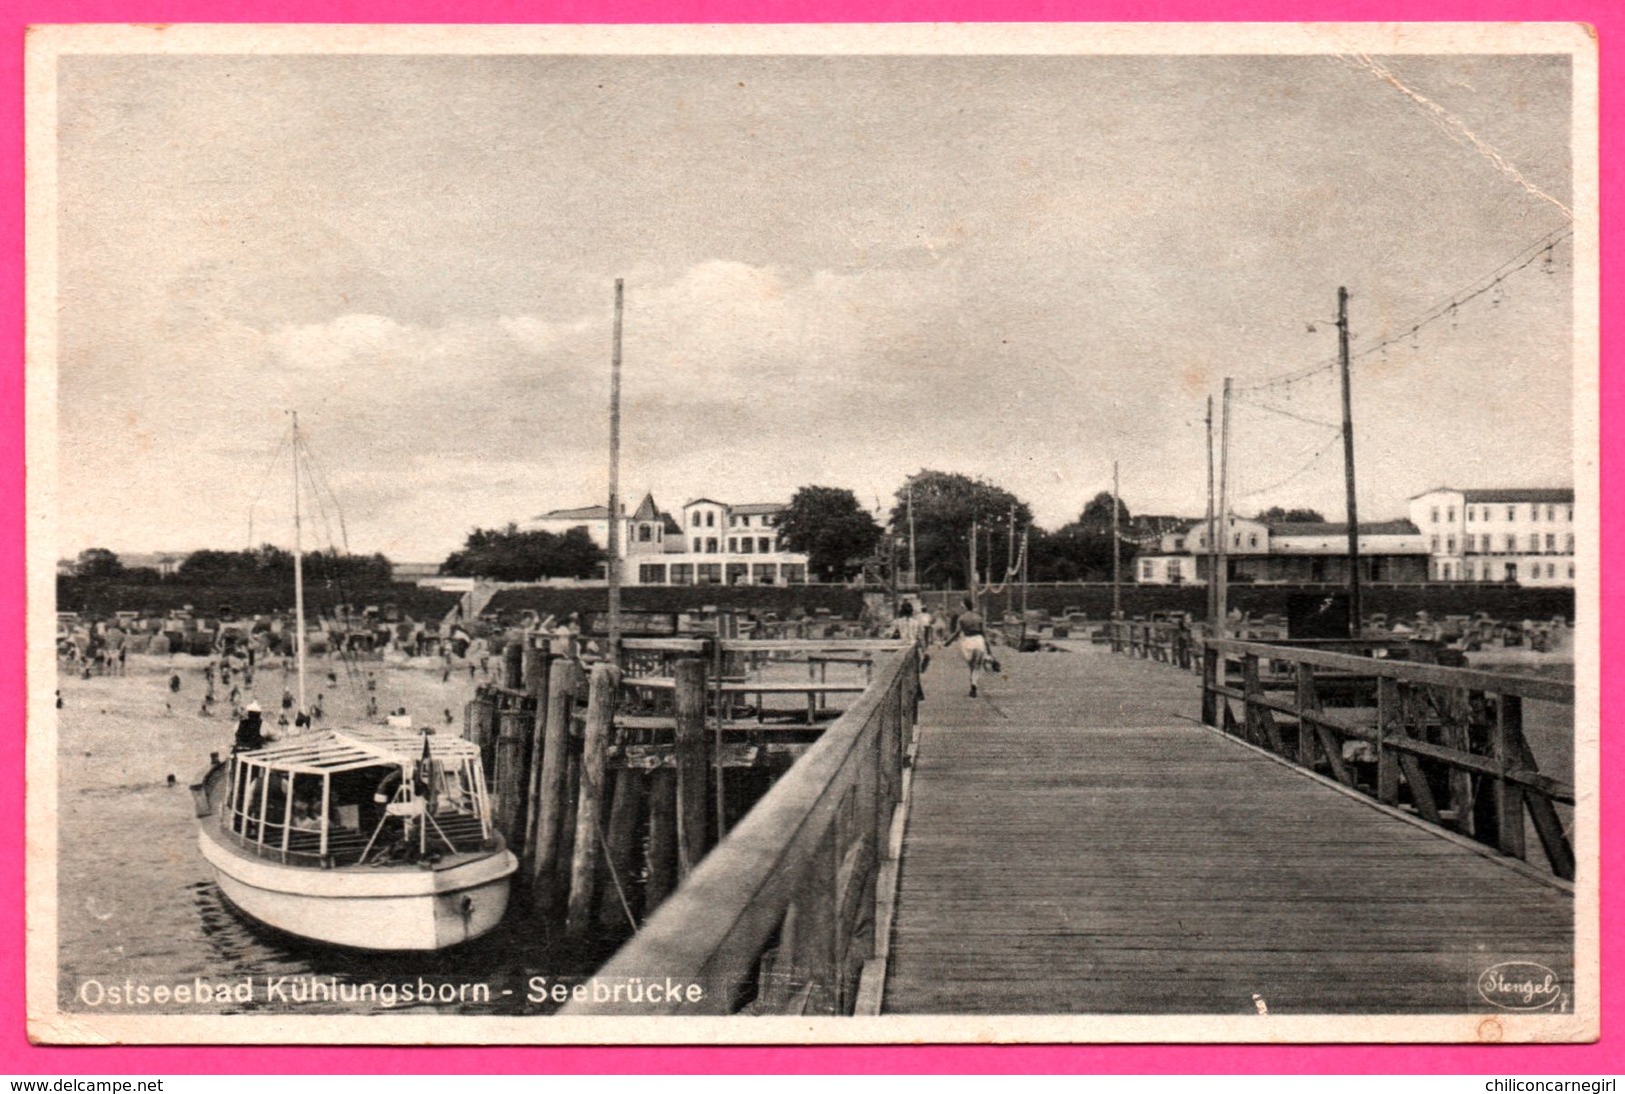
{"x":838,"y":271}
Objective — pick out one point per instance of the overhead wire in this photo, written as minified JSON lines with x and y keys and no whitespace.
{"x":1542,"y":248}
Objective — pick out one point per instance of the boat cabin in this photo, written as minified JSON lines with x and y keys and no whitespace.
{"x":361,"y":796}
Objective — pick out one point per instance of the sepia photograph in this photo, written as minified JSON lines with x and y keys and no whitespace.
{"x":846,"y":534}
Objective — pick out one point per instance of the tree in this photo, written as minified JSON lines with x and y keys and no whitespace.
{"x":507,"y":554}
{"x":946,"y":506}
{"x":1082,"y":550}
{"x":97,"y":562}
{"x":1277,"y":515}
{"x":1097,"y":514}
{"x":828,"y":525}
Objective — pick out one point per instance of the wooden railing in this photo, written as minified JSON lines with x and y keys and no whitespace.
{"x":781,"y":916}
{"x":1447,"y":743}
{"x":1170,"y":643}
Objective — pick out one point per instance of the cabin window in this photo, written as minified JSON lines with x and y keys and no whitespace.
{"x":652,"y":573}
{"x":708,"y":573}
{"x":764,"y":573}
{"x":682,"y":573}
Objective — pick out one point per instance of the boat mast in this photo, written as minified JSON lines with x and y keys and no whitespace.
{"x":298,"y":571}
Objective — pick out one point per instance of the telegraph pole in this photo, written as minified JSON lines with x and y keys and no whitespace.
{"x":913,"y":563}
{"x":1221,"y":563}
{"x":615,"y":478}
{"x":1212,"y":586}
{"x":1348,"y":463}
{"x":1117,"y":553}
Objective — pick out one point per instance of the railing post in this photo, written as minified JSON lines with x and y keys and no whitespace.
{"x":1391,"y":713}
{"x":1504,"y":746}
{"x":1210,"y":683}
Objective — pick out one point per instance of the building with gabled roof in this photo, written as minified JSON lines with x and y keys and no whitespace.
{"x":709,"y":543}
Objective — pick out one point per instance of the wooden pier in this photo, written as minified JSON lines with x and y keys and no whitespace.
{"x":1347,"y":835}
{"x":1079,"y":843}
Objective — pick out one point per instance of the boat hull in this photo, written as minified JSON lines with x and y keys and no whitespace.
{"x":391,"y":908}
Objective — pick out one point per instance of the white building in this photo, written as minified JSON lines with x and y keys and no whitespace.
{"x":722,"y":544}
{"x":1288,"y":552}
{"x":710,"y":543}
{"x":1508,"y":534}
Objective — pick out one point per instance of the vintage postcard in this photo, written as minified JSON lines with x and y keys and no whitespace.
{"x":1004,"y":533}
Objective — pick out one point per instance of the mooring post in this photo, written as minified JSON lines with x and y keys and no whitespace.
{"x":539,"y":668}
{"x":617,"y":902}
{"x":588,"y":851}
{"x":662,"y":837}
{"x":562,"y":681}
{"x":691,"y":763}
{"x":513,"y":661}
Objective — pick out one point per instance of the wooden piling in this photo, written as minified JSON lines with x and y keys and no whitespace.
{"x":533,"y":667}
{"x":588,"y":852}
{"x":625,"y":816}
{"x":662,"y":838}
{"x":538,"y":675}
{"x":513,"y":660}
{"x":510,"y":769}
{"x":691,"y":764}
{"x":553,"y":780}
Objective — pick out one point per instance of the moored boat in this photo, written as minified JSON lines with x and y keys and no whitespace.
{"x":374,"y":838}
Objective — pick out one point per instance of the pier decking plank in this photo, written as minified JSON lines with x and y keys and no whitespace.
{"x":1077,"y":844}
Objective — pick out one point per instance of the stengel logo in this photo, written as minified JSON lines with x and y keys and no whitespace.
{"x":1520,"y":985}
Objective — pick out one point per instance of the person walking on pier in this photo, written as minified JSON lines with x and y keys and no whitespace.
{"x":970,"y":632}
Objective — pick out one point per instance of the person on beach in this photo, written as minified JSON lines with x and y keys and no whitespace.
{"x":174,"y":683}
{"x":971,"y":633}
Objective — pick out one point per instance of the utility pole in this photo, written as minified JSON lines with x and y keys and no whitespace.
{"x":1221,"y":562}
{"x":1117,"y":554}
{"x":1212,"y":586}
{"x":615,"y":479}
{"x":298,"y":572}
{"x":1010,"y":564}
{"x":970,"y":581}
{"x":913,"y":562}
{"x":1348,"y":463}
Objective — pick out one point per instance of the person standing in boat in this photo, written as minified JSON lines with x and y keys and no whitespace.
{"x":250,"y":731}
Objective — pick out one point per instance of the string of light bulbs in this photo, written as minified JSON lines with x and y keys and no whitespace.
{"x":1541,"y":249}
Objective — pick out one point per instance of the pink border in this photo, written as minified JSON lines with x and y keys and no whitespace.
{"x":19,"y":1057}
